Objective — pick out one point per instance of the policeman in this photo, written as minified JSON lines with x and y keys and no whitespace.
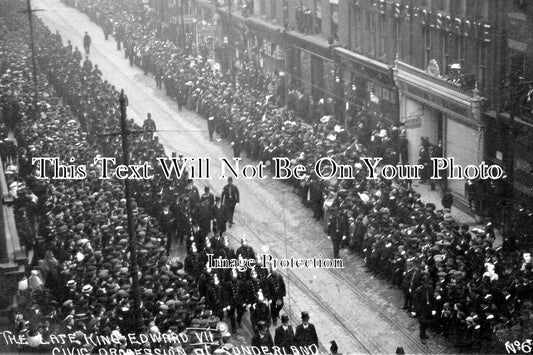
{"x":245,"y":251}
{"x":215,"y":298}
{"x":235,"y":300}
{"x":259,"y":311}
{"x":277,"y":292}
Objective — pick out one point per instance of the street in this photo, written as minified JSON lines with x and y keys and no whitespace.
{"x":361,"y":313}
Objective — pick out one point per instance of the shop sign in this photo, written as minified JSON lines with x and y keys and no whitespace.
{"x":411,"y":123}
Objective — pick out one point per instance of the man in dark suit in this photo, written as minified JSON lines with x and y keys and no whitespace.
{"x":337,"y":230}
{"x":208,"y":196}
{"x":284,"y":335}
{"x":305,"y":333}
{"x":423,"y":305}
{"x":219,"y":212}
{"x":230,"y":198}
{"x":167,"y":224}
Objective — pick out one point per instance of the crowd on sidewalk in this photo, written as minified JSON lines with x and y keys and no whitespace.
{"x":454,"y":281}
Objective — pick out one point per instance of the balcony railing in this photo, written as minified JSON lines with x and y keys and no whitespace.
{"x":466,"y":88}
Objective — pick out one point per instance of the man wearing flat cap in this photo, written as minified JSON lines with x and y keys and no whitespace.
{"x":305,"y":333}
{"x":284,"y":335}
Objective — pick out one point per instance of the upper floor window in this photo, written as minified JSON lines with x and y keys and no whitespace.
{"x":382,"y":36}
{"x":318,"y":17}
{"x":355,"y":31}
{"x":334,"y":21}
{"x":426,"y":33}
{"x":482,"y":65}
{"x":445,"y":42}
{"x":372,"y":38}
{"x":273,"y":9}
{"x":521,"y":5}
{"x":398,"y":33}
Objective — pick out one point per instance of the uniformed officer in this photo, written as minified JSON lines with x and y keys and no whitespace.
{"x":259,"y":311}
{"x":245,"y":251}
{"x":277,"y":292}
{"x":235,"y":300}
{"x":215,"y":298}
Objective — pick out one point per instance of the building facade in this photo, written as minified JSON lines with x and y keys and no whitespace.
{"x":443,"y":70}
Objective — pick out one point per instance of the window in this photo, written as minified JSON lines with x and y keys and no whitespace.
{"x":263,"y":7}
{"x":398,"y":33}
{"x":445,"y":42}
{"x":519,"y":66}
{"x":372,"y":31}
{"x":521,"y":5}
{"x":382,"y":36}
{"x":427,"y":44}
{"x":334,"y":21}
{"x":273,"y":9}
{"x":482,"y":65}
{"x":461,"y":49}
{"x":318,"y":17}
{"x":285,"y":12}
{"x":355,"y":34}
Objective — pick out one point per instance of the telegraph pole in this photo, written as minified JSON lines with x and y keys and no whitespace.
{"x":134,"y":267}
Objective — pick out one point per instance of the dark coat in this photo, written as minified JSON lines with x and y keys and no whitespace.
{"x":230,"y":195}
{"x":259,"y":341}
{"x":305,"y":336}
{"x":284,"y":338}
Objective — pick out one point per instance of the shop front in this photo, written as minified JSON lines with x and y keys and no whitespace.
{"x":368,"y":84}
{"x":443,"y":114}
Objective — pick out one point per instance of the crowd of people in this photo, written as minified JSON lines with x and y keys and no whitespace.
{"x":80,"y":282}
{"x":452,"y":278}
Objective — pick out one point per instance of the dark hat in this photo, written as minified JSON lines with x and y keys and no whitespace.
{"x":305,"y":315}
{"x":284,"y":318}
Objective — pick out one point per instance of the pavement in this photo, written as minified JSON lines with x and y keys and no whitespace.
{"x":360,"y":312}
